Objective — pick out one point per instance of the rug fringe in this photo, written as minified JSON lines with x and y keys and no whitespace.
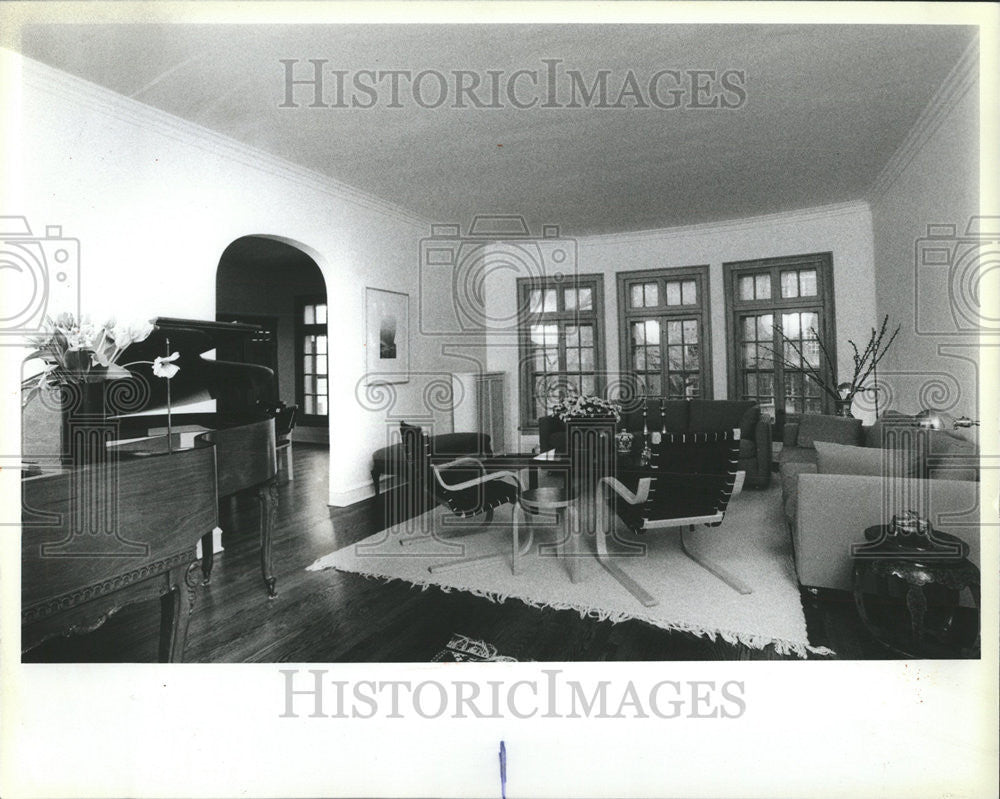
{"x":750,"y":640}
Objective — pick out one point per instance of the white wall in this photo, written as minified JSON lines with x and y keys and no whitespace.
{"x":932,"y":180}
{"x":154,"y":201}
{"x":844,"y":230}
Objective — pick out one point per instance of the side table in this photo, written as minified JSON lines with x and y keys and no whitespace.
{"x":553,"y":499}
{"x":908,"y":591}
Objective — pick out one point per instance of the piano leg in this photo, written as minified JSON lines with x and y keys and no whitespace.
{"x":175,"y":613}
{"x":267,"y":495}
{"x":207,"y":558}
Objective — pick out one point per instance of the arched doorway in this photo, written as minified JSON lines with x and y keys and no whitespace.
{"x":267,"y":281}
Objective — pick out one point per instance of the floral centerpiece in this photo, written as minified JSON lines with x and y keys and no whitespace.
{"x":74,"y":351}
{"x":586,"y":407}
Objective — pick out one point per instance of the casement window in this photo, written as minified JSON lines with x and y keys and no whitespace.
{"x":663,"y":331}
{"x":561,"y":342}
{"x":312,"y":368}
{"x":764,"y":299}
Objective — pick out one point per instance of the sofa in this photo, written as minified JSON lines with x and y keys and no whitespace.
{"x":838,"y":478}
{"x":688,"y":416}
{"x":389,"y":460}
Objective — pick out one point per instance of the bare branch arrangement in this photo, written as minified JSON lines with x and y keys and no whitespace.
{"x":866,"y":362}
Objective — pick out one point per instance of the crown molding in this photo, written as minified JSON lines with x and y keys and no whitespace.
{"x":963,"y":76}
{"x":98,"y":99}
{"x":743,"y":223}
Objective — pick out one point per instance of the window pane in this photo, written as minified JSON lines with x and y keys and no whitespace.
{"x":308,"y":343}
{"x":652,"y":294}
{"x":549,"y":304}
{"x":690,"y":330}
{"x":810,"y":350}
{"x":807,"y":283}
{"x":639,"y":333}
{"x":635,"y":300}
{"x":691,"y":356}
{"x":321,"y":364}
{"x":746,"y":287}
{"x":749,"y":326}
{"x":321,"y":406}
{"x":573,"y":360}
{"x":750,"y":384}
{"x":310,"y":404}
{"x":675,"y":385}
{"x":569,"y":299}
{"x":653,"y":358}
{"x":749,"y":356}
{"x":321,"y":345}
{"x":810,"y":322}
{"x":586,"y":299}
{"x":639,"y":356}
{"x":587,"y":359}
{"x":789,"y":284}
{"x":693,"y":386}
{"x":790,"y":325}
{"x":309,"y":384}
{"x":675,"y":358}
{"x":673,"y":293}
{"x":587,"y":385}
{"x":572,"y":335}
{"x":763,"y":286}
{"x":652,"y":384}
{"x":535,"y":301}
{"x":309,"y":364}
{"x":689,"y":292}
{"x":321,"y":386}
{"x":587,"y":335}
{"x":652,"y":331}
{"x":674,"y":332}
{"x":765,"y":327}
{"x":309,"y":314}
{"x":321,"y":314}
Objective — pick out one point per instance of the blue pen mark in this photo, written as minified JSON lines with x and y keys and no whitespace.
{"x":503,"y":771}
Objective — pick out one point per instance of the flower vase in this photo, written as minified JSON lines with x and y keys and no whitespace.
{"x":843,"y":407}
{"x":85,"y":431}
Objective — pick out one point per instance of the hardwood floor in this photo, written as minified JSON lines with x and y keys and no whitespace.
{"x":331,"y":616}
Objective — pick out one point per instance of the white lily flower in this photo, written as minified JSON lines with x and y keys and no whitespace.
{"x":164,"y":366}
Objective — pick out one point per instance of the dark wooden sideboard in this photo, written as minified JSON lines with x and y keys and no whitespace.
{"x":98,"y":538}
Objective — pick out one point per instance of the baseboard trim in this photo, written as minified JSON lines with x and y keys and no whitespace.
{"x":352,"y":495}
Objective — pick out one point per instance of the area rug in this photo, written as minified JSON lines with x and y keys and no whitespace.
{"x":462,"y":649}
{"x":752,"y":544}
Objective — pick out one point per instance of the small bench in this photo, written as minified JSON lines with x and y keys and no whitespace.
{"x":389,"y":460}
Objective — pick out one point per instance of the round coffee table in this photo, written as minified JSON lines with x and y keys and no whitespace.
{"x":552,"y":499}
{"x":908,"y":590}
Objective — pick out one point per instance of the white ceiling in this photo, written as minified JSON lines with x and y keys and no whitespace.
{"x":826,"y":107}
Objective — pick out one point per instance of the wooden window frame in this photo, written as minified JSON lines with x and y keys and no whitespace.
{"x":301,"y":331}
{"x":525,"y":285}
{"x":664,"y":313}
{"x":823,"y":303}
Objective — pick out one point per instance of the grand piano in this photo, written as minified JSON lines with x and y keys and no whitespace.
{"x":236,"y":403}
{"x":123,"y":524}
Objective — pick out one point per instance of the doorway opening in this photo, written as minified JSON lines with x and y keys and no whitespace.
{"x":273,"y":284}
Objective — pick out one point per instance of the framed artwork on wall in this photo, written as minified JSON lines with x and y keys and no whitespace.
{"x":387,"y":336}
